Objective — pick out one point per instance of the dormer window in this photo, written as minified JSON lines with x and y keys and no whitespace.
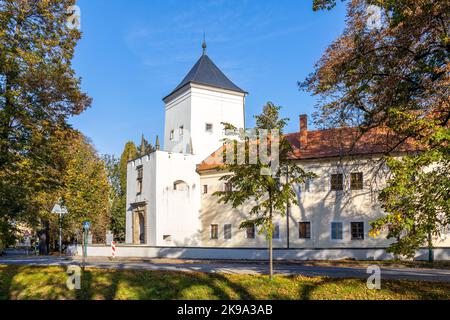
{"x":209,"y":127}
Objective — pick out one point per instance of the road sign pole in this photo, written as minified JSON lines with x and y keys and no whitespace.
{"x":60,"y":234}
{"x":86,"y":226}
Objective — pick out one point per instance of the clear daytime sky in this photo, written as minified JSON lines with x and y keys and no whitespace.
{"x":133,"y":53}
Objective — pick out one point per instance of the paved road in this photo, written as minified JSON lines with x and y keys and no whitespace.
{"x":242,"y":268}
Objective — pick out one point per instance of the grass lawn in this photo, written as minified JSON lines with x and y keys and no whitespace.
{"x":23,"y":282}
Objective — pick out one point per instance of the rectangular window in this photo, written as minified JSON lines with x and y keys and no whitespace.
{"x":276,"y":231}
{"x":214,"y":231}
{"x":181,"y":130}
{"x":227,"y":231}
{"x":357,"y":229}
{"x":356,"y":181}
{"x":171,"y":135}
{"x":228,"y":187}
{"x":250,"y":232}
{"x":308,"y":184}
{"x":337,"y":182}
{"x":304,"y":230}
{"x":337,"y":231}
{"x":205,"y":189}
{"x":208,"y":127}
{"x":140,"y":176}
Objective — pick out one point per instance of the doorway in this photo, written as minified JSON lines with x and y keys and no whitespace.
{"x":139,"y":227}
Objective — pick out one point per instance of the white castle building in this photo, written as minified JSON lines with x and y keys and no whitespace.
{"x":169,"y":192}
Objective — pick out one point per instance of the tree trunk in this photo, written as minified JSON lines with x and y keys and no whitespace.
{"x":270,"y":259}
{"x":271,"y":248}
{"x":430,"y":248}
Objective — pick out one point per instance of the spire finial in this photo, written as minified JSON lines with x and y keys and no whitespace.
{"x":204,"y":43}
{"x":157,"y":144}
{"x":143,"y":145}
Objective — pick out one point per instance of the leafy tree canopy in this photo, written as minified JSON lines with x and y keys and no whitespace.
{"x":395,"y":76}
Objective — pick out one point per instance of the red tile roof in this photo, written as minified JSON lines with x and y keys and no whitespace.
{"x":332,"y":143}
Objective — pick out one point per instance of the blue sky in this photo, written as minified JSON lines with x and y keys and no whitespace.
{"x":135,"y":52}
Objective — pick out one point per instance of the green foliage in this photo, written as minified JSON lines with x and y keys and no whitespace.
{"x":129,"y":152}
{"x":85,"y":191}
{"x":38,"y":92}
{"x":145,"y":147}
{"x":417,"y":201}
{"x":396,"y":77}
{"x":265,"y":194}
{"x":117,"y":176}
{"x":324,"y":4}
{"x":117,"y":197}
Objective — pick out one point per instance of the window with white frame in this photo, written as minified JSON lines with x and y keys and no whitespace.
{"x":337,"y":231}
{"x":308,"y":183}
{"x":304,"y":230}
{"x":228,"y":187}
{"x":250,"y":232}
{"x":208,"y":127}
{"x":276,"y":231}
{"x":227,"y":231}
{"x":337,"y":182}
{"x":214,"y":231}
{"x":357,"y":230}
{"x":356,"y":181}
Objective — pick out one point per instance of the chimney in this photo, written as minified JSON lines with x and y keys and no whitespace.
{"x":303,"y":131}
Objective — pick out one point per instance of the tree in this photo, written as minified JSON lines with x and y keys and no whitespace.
{"x":395,"y":76}
{"x":38,"y":92}
{"x":117,"y":175}
{"x":116,"y":197}
{"x":86,"y":190}
{"x":266,"y":194}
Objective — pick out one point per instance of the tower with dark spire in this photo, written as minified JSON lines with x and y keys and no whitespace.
{"x":198,"y":106}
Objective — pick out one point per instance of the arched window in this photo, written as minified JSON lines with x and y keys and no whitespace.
{"x":180,"y":185}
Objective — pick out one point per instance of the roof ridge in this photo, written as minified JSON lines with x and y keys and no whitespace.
{"x":199,"y":62}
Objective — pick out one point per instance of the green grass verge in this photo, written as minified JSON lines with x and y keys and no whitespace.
{"x":23,"y":282}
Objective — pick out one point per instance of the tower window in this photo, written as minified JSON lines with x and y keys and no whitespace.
{"x":171,"y":135}
{"x":209,"y":127}
{"x":140,"y":175}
